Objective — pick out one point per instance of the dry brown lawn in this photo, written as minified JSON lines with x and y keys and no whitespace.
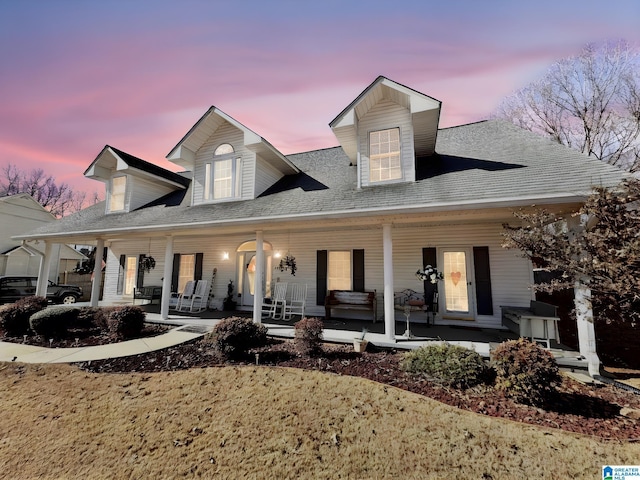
{"x":57,"y":421}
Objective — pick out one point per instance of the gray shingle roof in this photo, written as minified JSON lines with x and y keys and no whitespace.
{"x":481,"y":163}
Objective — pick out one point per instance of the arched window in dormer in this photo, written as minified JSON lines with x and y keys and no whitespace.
{"x":222,"y":175}
{"x":223,"y":149}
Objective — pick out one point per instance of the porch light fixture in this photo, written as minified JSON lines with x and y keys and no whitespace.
{"x":225,"y":255}
{"x":278,"y":254}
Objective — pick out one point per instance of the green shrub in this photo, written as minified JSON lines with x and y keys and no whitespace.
{"x":234,"y":336}
{"x":97,"y":317}
{"x":308,"y":336}
{"x":525,"y":371}
{"x":126,"y":322}
{"x":14,"y":318}
{"x":449,"y":364}
{"x":53,"y":322}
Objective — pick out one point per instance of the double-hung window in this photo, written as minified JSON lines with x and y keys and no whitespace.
{"x":384,"y":155}
{"x":339,"y":270}
{"x":222,"y":176}
{"x":117,"y":193}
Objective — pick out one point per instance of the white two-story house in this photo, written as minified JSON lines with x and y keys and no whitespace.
{"x":397,"y":193}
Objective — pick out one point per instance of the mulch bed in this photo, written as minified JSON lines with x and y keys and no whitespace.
{"x":586,"y":409}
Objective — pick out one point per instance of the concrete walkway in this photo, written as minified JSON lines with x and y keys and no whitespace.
{"x":16,"y":352}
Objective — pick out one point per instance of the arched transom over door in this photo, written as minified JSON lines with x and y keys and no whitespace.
{"x":246,"y":263}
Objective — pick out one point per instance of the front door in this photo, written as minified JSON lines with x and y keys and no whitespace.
{"x":131,"y":271}
{"x":249,"y":280}
{"x":458,"y":298}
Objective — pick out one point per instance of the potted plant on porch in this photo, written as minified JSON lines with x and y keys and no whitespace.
{"x":360,"y":343}
{"x":229,"y":302}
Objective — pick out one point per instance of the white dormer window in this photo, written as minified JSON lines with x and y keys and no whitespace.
{"x":384,"y":155}
{"x":222,"y":176}
{"x":117,"y":193}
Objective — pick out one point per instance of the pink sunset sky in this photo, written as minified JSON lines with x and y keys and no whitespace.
{"x":76,"y":75}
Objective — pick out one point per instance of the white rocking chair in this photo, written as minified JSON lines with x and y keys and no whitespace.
{"x":184,"y":299}
{"x":298,"y":301}
{"x":200,"y":297}
{"x":271,"y":306}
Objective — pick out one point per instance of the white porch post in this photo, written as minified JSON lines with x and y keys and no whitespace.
{"x":586,"y":329}
{"x":166,"y":279}
{"x":45,"y":267}
{"x":258,"y":291}
{"x":97,"y":273}
{"x":389,"y":314}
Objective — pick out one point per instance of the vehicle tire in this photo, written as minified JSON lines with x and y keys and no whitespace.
{"x":68,"y":299}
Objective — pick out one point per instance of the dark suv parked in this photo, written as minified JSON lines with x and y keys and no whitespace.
{"x":14,"y":287}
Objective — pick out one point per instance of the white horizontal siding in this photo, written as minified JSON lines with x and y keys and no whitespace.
{"x":510,"y":274}
{"x":266,"y":176}
{"x":144,"y":191}
{"x":386,"y":115}
{"x":226,"y":133}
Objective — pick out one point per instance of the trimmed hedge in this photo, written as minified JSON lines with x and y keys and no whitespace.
{"x":308,"y":336}
{"x":448,"y":364}
{"x":53,"y":322}
{"x":14,"y":318}
{"x":126,"y":322}
{"x":525,"y":371}
{"x":233,"y":337}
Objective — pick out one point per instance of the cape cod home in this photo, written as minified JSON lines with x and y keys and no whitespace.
{"x":398,"y":193}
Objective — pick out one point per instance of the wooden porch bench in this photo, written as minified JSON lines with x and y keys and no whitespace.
{"x":147,"y":293}
{"x":539,"y":322}
{"x":349,"y":300}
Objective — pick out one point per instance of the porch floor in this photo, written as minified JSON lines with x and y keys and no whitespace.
{"x":339,"y":330}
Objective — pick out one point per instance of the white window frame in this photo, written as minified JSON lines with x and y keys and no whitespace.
{"x":186,"y":269}
{"x":120,"y":197}
{"x":382,"y":159}
{"x":210,"y":192}
{"x":339,"y":270}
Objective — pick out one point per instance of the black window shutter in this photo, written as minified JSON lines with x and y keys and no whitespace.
{"x":321,"y":276}
{"x":429,"y":257}
{"x":358,"y":270}
{"x":175,"y":273}
{"x":483,"y":280}
{"x":140,"y":279}
{"x":123,"y":260}
{"x":197,"y":272}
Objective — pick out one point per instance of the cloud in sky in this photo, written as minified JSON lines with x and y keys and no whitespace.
{"x":137,"y":75}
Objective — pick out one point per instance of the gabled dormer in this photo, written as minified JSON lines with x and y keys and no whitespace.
{"x":228,"y":160}
{"x":385,"y":129}
{"x":130,"y":181}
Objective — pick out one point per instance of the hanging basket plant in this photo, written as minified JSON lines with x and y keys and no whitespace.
{"x":288,"y":263}
{"x":147,"y":263}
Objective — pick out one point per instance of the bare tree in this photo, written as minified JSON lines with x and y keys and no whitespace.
{"x":59,"y":199}
{"x":606,"y":251}
{"x":589,"y":102}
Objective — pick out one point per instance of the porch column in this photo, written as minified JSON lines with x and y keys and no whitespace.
{"x":258,"y":290}
{"x":97,"y":273}
{"x":166,"y":279}
{"x":586,"y":329}
{"x":45,"y":267}
{"x":389,"y":314}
